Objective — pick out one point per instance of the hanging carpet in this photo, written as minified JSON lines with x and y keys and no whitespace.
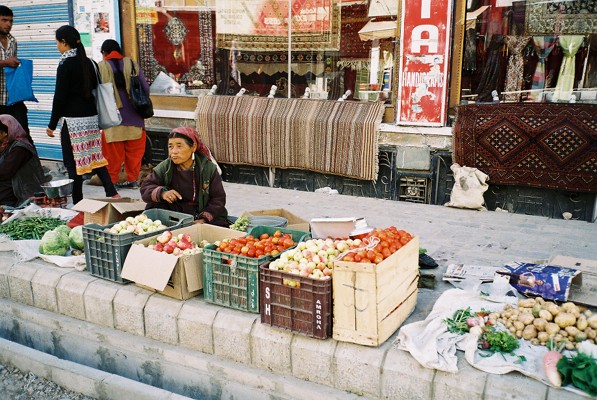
{"x":546,"y":145}
{"x":339,"y":138}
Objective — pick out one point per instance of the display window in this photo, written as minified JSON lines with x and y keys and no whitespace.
{"x":335,"y":48}
{"x":529,"y":51}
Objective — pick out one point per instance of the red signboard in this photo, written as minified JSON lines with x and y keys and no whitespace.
{"x":424,"y":57}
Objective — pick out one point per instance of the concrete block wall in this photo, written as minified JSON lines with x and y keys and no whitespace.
{"x":373,"y":372}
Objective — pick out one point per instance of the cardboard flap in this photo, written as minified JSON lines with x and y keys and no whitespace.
{"x":89,"y":205}
{"x":193,"y":272}
{"x":129,"y":206}
{"x":332,"y":227}
{"x":138,"y":262}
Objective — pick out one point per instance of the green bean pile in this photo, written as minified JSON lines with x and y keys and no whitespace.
{"x":32,"y":228}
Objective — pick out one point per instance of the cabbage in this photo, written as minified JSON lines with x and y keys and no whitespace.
{"x":75,"y":237}
{"x":63,"y":229}
{"x":54,"y":243}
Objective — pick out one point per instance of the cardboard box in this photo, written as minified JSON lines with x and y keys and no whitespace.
{"x":548,"y":281}
{"x":294,"y":221}
{"x":371,"y":301}
{"x":332,"y":227}
{"x":582,"y":290}
{"x":180,"y":277}
{"x":106,"y":211}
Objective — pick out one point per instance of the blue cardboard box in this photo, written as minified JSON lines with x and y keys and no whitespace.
{"x":548,"y":281}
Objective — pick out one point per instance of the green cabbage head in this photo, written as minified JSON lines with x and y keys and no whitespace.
{"x":75,"y":238}
{"x":54,"y":243}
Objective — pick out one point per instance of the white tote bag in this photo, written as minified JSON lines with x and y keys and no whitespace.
{"x":107,"y":111}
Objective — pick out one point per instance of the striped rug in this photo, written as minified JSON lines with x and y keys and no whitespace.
{"x":332,"y":137}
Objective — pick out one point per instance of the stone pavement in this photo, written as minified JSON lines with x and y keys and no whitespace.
{"x":221,"y":351}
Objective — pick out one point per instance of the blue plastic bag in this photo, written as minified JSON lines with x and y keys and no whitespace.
{"x":18,"y":82}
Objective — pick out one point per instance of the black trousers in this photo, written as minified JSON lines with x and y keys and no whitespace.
{"x":69,"y":163}
{"x":19,"y":111}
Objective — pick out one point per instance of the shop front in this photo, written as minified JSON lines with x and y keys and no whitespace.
{"x":442,"y":57}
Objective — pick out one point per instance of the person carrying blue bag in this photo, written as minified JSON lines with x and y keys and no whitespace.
{"x":8,"y":59}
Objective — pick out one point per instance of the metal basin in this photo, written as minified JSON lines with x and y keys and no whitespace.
{"x":59,"y":188}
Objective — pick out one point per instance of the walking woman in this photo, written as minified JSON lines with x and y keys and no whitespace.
{"x":124,"y":143}
{"x":80,"y":137}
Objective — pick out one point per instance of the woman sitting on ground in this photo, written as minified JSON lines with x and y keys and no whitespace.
{"x":188,"y":181}
{"x":21,"y":174}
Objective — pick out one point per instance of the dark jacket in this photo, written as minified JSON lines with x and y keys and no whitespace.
{"x":26,"y":172}
{"x":211,"y":197}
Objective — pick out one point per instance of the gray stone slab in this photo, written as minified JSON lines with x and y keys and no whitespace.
{"x":468,"y":383}
{"x":562,"y":394}
{"x":129,"y":304}
{"x":357,"y":369}
{"x":19,"y":282}
{"x":43,"y":285}
{"x":195,"y":325}
{"x":70,"y":294}
{"x":313,"y":359}
{"x":80,"y":378}
{"x":513,"y":386}
{"x":404,"y":378}
{"x":161,"y":313}
{"x":5,"y":268}
{"x":118,"y":388}
{"x":99,"y":302}
{"x":270,"y":348}
{"x":231,"y":329}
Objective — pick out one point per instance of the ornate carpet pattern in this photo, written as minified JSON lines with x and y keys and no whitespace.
{"x":537,"y":144}
{"x":339,"y":138}
{"x":576,"y":17}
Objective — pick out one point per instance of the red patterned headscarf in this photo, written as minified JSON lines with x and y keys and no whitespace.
{"x":194,"y":136}
{"x":15,"y":131}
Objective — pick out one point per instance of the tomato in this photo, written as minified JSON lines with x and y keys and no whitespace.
{"x":378,"y":259}
{"x":288,"y":243}
{"x":259,"y":253}
{"x":386,"y":252}
{"x":251,"y":253}
{"x":276,"y":240}
{"x":349,"y":257}
{"x":277,"y":234}
{"x":250,"y":238}
{"x":404,"y":240}
{"x":384,"y":244}
{"x":242,"y":240}
{"x":263,"y":236}
{"x":371,"y":255}
{"x":275,"y":253}
{"x":357,"y":258}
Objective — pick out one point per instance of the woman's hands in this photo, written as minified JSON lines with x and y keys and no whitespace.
{"x":50,"y":132}
{"x":171,"y":196}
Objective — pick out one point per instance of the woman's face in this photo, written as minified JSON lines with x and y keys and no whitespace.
{"x":62,"y":46}
{"x":179,"y":150}
{"x":3,"y":136}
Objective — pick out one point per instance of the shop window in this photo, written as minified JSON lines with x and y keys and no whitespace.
{"x":529,"y":51}
{"x":231,"y":45}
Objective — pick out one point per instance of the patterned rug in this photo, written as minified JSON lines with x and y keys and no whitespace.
{"x":339,"y":138}
{"x":536,"y":144}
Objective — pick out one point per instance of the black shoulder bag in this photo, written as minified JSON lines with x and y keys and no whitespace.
{"x":139,"y":97}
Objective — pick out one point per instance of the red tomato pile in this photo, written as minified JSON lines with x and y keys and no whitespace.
{"x":250,"y":246}
{"x":390,"y":240}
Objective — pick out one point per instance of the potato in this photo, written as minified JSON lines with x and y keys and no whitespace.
{"x":539,"y":300}
{"x":552,"y":308}
{"x":529,"y":332}
{"x":579,"y":337}
{"x":592,"y":320}
{"x":558,"y":338}
{"x":569,"y":346}
{"x":512,"y":330}
{"x":507,"y":307}
{"x":564,"y":319}
{"x":518,"y":325}
{"x":493,"y":315}
{"x":535,"y":311}
{"x":572,"y":330}
{"x":582,"y":323}
{"x":540,"y":324}
{"x":526,"y":303}
{"x":526,"y":318}
{"x":546,"y":315}
{"x":535,"y":341}
{"x":591,"y":333}
{"x":568,"y":306}
{"x":519,"y":334}
{"x":543,"y":337}
{"x":552,"y":328}
{"x":587,"y":313}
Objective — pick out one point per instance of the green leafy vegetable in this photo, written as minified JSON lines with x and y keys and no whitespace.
{"x":241,"y":224}
{"x":498,"y":341}
{"x":580,"y":371}
{"x":457,"y":324}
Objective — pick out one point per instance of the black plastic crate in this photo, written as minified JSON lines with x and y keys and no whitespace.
{"x":105,"y":252}
{"x":296,"y":303}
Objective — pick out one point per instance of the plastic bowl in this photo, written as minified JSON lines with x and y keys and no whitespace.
{"x":59,"y":188}
{"x":267,"y":220}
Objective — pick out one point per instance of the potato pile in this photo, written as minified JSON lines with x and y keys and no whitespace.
{"x":538,"y":321}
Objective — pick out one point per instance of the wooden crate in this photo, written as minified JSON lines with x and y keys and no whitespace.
{"x":372,"y":300}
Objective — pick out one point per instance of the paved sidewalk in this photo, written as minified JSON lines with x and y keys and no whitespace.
{"x":193,"y":329}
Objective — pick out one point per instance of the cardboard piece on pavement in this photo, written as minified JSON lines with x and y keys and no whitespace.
{"x":106,"y":211}
{"x":294,"y":221}
{"x":180,"y":277}
{"x":584,"y":292}
{"x":332,"y":227}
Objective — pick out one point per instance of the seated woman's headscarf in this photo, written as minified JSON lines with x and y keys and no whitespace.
{"x":15,"y":132}
{"x":194,"y":136}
